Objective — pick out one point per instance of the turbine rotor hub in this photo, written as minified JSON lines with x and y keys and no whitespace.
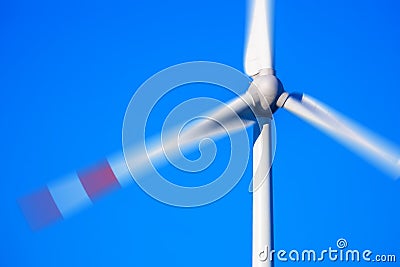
{"x":265,"y":91}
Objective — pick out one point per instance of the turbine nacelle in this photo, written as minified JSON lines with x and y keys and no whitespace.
{"x":265,"y":91}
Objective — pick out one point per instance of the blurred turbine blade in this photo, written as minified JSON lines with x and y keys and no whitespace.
{"x":368,"y":145}
{"x":234,"y":116}
{"x":63,"y":198}
{"x":259,"y":47}
{"x":231,"y":118}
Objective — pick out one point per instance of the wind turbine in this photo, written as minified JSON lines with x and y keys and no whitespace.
{"x":267,"y":91}
{"x":264,"y":97}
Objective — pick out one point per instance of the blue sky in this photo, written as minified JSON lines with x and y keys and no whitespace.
{"x":68,"y":71}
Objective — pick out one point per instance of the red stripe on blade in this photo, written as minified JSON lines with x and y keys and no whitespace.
{"x":39,"y":209}
{"x":98,"y":180}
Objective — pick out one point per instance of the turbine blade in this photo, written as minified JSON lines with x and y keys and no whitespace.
{"x":259,"y":48}
{"x":236,"y":115}
{"x":368,"y":145}
{"x":63,"y":198}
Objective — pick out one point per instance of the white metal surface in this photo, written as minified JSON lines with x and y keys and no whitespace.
{"x":262,"y":204}
{"x":259,"y":50}
{"x":368,"y":145}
